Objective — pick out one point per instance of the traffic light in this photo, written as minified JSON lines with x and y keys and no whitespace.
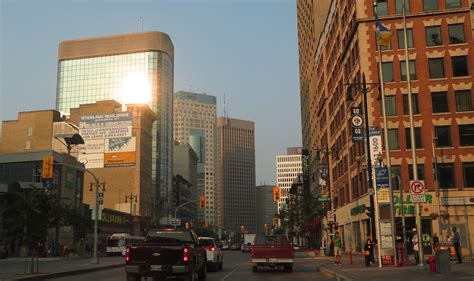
{"x":276,"y":194}
{"x":48,"y":167}
{"x":202,"y":202}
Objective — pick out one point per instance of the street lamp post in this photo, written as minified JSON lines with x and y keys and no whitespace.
{"x":131,"y":197}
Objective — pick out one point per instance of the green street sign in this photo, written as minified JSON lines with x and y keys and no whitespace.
{"x":324,"y":199}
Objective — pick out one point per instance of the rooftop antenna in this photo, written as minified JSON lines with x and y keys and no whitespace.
{"x":225,"y":110}
{"x":142,"y":19}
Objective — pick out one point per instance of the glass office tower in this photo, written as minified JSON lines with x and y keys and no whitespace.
{"x":130,"y":68}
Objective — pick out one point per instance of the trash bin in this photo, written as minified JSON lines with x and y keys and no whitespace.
{"x":443,"y":262}
{"x":432,"y":263}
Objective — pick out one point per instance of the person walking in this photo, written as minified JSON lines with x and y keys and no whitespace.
{"x":456,"y":244}
{"x":337,"y":248}
{"x":416,"y":246}
{"x":368,"y":250}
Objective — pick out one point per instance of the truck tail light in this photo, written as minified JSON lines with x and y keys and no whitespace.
{"x":251,"y":251}
{"x":185,"y":254}
{"x":127,"y":255}
{"x":211,"y":248}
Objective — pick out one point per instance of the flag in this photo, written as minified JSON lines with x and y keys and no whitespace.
{"x":383,"y":34}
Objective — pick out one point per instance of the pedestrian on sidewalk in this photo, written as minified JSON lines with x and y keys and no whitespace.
{"x":368,"y":250}
{"x":337,"y":248}
{"x":456,"y":244}
{"x":416,"y":245}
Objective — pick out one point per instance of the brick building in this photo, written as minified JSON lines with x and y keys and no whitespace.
{"x":440,"y":41}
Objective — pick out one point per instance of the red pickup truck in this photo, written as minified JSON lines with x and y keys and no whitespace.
{"x":272,"y":251}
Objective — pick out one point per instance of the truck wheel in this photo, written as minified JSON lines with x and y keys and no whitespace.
{"x":221,"y":265}
{"x":254,"y":268}
{"x":288,"y":268}
{"x":133,"y":277}
{"x":191,"y":275}
{"x":202,"y":274}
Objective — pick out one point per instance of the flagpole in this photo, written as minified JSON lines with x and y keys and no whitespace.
{"x":412,"y":135}
{"x":387,"y":149}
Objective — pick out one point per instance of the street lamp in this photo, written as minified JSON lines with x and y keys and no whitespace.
{"x":131,"y":197}
{"x":70,"y":140}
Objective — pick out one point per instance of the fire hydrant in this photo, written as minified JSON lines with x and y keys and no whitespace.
{"x":432,"y":263}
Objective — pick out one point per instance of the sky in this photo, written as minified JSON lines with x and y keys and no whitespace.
{"x":246,"y":50}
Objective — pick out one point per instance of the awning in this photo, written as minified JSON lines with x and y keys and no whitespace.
{"x":30,"y":185}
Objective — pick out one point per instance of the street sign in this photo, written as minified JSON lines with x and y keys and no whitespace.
{"x":357,"y":123}
{"x":381,"y":183}
{"x":417,"y":191}
{"x":101,"y":198}
{"x":383,"y":195}
{"x":176,"y":221}
{"x":324,"y":199}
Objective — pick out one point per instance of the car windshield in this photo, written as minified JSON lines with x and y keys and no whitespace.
{"x":207,"y":242}
{"x":271,"y":240}
{"x":175,"y":236}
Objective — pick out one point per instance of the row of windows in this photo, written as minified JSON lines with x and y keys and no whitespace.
{"x":439,"y":103}
{"x":442,"y":134}
{"x":436,"y":69}
{"x":428,"y":5}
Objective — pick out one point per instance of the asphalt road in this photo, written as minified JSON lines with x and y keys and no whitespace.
{"x":237,"y":267}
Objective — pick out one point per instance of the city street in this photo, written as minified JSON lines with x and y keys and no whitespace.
{"x":236,"y":267}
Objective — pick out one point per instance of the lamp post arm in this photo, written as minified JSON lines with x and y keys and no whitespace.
{"x":180,"y":206}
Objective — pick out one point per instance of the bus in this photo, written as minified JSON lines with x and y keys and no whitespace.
{"x":117,"y":242}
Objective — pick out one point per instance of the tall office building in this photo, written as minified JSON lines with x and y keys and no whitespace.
{"x":235,"y":174}
{"x":195,"y":124}
{"x":129,"y":68}
{"x":288,"y":167}
{"x":266,"y":207}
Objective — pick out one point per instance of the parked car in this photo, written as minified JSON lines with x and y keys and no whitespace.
{"x":225,"y":245}
{"x":235,"y":247}
{"x":246,"y":248}
{"x":215,"y":257}
{"x":166,"y":252}
{"x":272,"y":251}
{"x":3,"y":251}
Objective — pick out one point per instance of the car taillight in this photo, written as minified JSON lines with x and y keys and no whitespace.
{"x":185,"y":254}
{"x":210,"y":248}
{"x":251,"y":251}
{"x":127,"y":255}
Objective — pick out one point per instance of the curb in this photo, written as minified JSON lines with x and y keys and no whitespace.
{"x":330,"y":273}
{"x":63,"y":273}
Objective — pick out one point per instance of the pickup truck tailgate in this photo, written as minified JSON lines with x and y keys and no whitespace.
{"x":157,"y":254}
{"x":272,"y":252}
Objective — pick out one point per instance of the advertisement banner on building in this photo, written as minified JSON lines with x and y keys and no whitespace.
{"x":106,"y":132}
{"x":120,"y":144}
{"x":375,"y":141}
{"x":118,"y":119}
{"x":118,"y":159}
{"x":92,"y":161}
{"x":92,"y":146}
{"x":381,"y":183}
{"x":357,"y":123}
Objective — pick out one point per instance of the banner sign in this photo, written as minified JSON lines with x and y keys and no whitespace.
{"x":357,"y":123}
{"x":381,"y":183}
{"x":375,"y":141}
{"x":120,"y":119}
{"x":92,"y":161}
{"x":457,"y":201}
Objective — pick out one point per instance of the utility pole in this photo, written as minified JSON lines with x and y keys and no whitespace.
{"x":131,"y":197}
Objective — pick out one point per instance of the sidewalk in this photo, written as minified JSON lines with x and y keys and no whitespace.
{"x":13,"y":268}
{"x":358,"y":271}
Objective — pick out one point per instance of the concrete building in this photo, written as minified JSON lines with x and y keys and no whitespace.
{"x":235,"y":175}
{"x":118,"y":150}
{"x":185,"y":163}
{"x":441,"y":70}
{"x":131,"y":69}
{"x":288,"y":167}
{"x":195,"y":124}
{"x":266,"y":207}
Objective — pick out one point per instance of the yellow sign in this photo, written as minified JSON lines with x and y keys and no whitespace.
{"x":117,"y":159}
{"x":48,"y":167}
{"x":383,"y":195}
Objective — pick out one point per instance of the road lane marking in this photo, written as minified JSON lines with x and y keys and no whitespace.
{"x":228,"y":274}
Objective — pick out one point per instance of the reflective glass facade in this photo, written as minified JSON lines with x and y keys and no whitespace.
{"x":144,"y":77}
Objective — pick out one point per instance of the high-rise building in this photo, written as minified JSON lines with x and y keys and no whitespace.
{"x":235,"y":174}
{"x":266,"y":207}
{"x":439,"y":42}
{"x":195,"y":124}
{"x":129,"y":68}
{"x":288,"y":167}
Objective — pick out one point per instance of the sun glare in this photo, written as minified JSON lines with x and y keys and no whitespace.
{"x":136,"y":89}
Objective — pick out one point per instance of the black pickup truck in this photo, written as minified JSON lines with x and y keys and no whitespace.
{"x":166,"y":252}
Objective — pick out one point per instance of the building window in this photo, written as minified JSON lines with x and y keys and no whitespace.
{"x":433,"y":36}
{"x":414,"y":104}
{"x":456,"y":33}
{"x":446,"y":175}
{"x":439,"y":102}
{"x":436,"y":67}
{"x":387,"y":69}
{"x":466,"y":135}
{"x":390,"y":106}
{"x":29,"y":131}
{"x":443,"y":136}
{"x":420,"y":170}
{"x":403,"y":70}
{"x":28,"y":144}
{"x":468,"y":172}
{"x":401,"y":39}
{"x":399,"y":6}
{"x":430,"y":5}
{"x":459,"y":66}
{"x":463,"y":100}
{"x":450,"y":4}
{"x":418,"y":139}
{"x":382,"y":7}
{"x":393,"y":139}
